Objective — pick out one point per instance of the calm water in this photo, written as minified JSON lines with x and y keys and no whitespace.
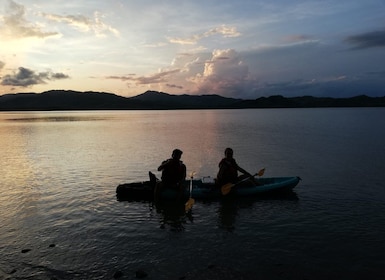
{"x":59,"y":171}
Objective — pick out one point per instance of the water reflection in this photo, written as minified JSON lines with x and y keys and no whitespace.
{"x":56,"y":116}
{"x":227,"y":213}
{"x":15,"y":164}
{"x":229,"y":207}
{"x":173,"y":215}
{"x":57,"y":119}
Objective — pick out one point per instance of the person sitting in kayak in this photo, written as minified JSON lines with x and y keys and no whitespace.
{"x":173,"y":173}
{"x":228,"y":170}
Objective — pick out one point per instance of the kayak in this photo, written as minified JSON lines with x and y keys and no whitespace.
{"x":206,"y":188}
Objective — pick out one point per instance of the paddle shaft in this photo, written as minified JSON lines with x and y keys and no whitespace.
{"x":190,"y":201}
{"x":227,"y":188}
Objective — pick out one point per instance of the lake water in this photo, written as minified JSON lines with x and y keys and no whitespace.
{"x":60,"y":218}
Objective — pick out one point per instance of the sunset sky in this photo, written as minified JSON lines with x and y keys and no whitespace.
{"x":243,"y":49}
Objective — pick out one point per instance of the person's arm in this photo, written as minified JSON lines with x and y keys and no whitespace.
{"x":183,"y":172}
{"x":240,"y":169}
{"x":221,"y":170}
{"x":163,"y":165}
{"x":248,"y":174}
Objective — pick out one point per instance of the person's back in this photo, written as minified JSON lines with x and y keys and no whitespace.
{"x":228,"y":172}
{"x":173,"y":172}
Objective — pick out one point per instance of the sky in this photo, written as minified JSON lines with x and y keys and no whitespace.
{"x":241,"y":49}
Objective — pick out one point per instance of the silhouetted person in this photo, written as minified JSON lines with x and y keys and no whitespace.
{"x":228,"y":169}
{"x":173,"y":173}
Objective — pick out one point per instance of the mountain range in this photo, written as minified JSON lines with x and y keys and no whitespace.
{"x":153,"y":100}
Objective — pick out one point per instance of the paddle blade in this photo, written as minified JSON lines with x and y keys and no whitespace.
{"x":189,"y":204}
{"x":226,"y":188}
{"x":261,"y":172}
{"x":192,"y":173}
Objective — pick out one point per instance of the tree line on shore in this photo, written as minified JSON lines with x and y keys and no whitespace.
{"x":153,"y":100}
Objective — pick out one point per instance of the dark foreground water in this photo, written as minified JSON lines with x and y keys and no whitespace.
{"x":60,"y":218}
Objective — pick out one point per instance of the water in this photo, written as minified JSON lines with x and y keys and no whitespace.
{"x":59,"y":171}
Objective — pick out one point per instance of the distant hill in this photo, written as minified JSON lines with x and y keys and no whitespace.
{"x":278,"y":101}
{"x":160,"y":100}
{"x":63,"y":100}
{"x":74,"y":100}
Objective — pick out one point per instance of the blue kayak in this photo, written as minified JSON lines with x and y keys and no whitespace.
{"x":206,"y":189}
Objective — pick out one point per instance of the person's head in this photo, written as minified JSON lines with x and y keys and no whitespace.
{"x":176,"y":154}
{"x":229,"y":152}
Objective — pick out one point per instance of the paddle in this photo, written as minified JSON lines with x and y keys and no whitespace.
{"x":225,"y":189}
{"x":190,"y":202}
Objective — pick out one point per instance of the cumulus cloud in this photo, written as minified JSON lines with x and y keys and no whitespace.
{"x":225,"y":31}
{"x":225,"y":74}
{"x":222,"y":72}
{"x":25,"y":77}
{"x":14,"y":24}
{"x":190,"y":63}
{"x":276,"y":70}
{"x":367,"y":40}
{"x":83,"y":23}
{"x":226,"y":64}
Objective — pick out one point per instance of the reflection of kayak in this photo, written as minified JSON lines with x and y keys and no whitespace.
{"x":206,"y":188}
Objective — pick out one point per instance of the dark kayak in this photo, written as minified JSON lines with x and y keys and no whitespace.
{"x":206,"y":188}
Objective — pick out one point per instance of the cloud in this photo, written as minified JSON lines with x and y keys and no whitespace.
{"x":221,"y":72}
{"x":129,"y":77}
{"x":156,"y":78}
{"x":339,"y":86}
{"x":174,"y":86}
{"x":270,"y":70}
{"x":2,"y":64}
{"x":83,"y":23}
{"x":290,"y":88}
{"x":223,"y":30}
{"x":224,"y":74}
{"x":58,"y":76}
{"x":25,"y":77}
{"x":298,"y":38}
{"x":14,"y":24}
{"x":367,"y":40}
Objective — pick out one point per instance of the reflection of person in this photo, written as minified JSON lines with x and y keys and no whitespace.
{"x":173,"y":214}
{"x":173,"y":173}
{"x":228,"y":169}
